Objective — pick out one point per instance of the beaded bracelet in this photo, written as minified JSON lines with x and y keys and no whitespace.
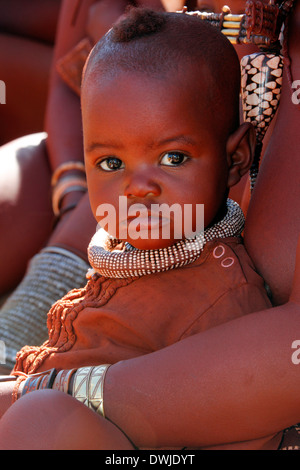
{"x":64,"y":184}
{"x":259,"y":25}
{"x":39,"y":381}
{"x":86,"y":384}
{"x":64,"y":167}
{"x":62,"y":380}
{"x":63,"y":187}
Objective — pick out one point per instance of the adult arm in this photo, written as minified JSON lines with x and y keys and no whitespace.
{"x":63,"y":121}
{"x":232,"y":383}
{"x":31,"y":18}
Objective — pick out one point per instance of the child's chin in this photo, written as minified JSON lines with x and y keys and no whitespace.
{"x":149,"y":244}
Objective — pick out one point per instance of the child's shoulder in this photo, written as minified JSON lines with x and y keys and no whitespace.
{"x":226,"y":285}
{"x":228,"y":258}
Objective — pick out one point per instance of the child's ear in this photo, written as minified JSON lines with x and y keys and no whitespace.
{"x":240,"y":151}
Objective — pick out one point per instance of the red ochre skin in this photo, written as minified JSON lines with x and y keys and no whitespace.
{"x":239,"y":392}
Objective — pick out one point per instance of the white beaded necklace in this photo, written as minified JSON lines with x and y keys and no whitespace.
{"x":132,"y":262}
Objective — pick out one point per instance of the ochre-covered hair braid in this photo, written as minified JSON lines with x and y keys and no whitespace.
{"x":60,"y":321}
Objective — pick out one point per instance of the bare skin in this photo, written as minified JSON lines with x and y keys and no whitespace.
{"x":17,"y":213}
{"x":26,"y":49}
{"x":35,"y":159}
{"x":277,"y":265}
{"x":260,"y":393}
{"x":245,"y":375}
{"x":64,"y":143}
{"x":99,"y":434}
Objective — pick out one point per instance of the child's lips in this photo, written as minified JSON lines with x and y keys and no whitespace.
{"x":145,"y":223}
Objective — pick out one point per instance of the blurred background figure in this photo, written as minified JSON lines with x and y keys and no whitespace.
{"x":27,"y":36}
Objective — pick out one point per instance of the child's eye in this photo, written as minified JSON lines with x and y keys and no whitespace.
{"x":111,"y":164}
{"x":173,"y":159}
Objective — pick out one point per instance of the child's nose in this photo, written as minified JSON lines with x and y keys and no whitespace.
{"x":141,"y":186}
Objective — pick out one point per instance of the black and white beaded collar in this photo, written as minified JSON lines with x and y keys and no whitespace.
{"x":132,"y":262}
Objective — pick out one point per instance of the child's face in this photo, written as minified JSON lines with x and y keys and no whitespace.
{"x":154,"y":142}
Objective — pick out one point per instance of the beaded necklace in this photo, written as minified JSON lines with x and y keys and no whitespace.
{"x":131,"y":262}
{"x":261,"y":25}
{"x":262,"y":72}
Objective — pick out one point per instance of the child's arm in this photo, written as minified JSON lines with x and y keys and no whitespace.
{"x":63,"y":119}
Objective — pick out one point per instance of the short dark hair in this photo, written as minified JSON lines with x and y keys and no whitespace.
{"x":161,"y":43}
{"x":137,"y":23}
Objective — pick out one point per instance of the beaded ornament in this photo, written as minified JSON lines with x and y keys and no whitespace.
{"x":132,"y":262}
{"x":262,"y":72}
{"x":261,"y":25}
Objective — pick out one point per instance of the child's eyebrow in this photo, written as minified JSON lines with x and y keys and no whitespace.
{"x":100,"y":145}
{"x":184,"y":139}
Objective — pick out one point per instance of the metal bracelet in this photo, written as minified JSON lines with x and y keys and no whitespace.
{"x":8,"y":378}
{"x":39,"y":381}
{"x":88,"y":387}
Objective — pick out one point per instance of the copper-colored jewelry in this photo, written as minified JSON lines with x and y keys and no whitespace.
{"x":64,"y":167}
{"x":41,"y":380}
{"x":19,"y":378}
{"x":259,"y":25}
{"x":17,"y":391}
{"x":230,"y":25}
{"x":262,"y":20}
{"x":66,"y":209}
{"x":62,"y":380}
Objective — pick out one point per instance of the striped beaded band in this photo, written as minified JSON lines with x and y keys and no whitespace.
{"x":62,"y":380}
{"x":39,"y":381}
{"x":260,"y":24}
{"x":133,"y":262}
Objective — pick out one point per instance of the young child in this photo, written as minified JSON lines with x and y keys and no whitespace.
{"x":161,"y":127}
